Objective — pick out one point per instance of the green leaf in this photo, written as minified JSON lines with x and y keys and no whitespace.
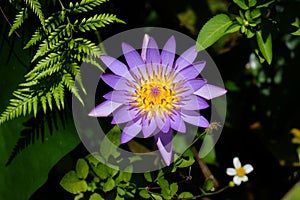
{"x":185,"y":195}
{"x":173,"y":188}
{"x":213,"y":30}
{"x":145,"y":194}
{"x":156,"y":197}
{"x":233,"y":28}
{"x":208,"y":184}
{"x":252,"y":3}
{"x":241,"y":4}
{"x":109,"y":185}
{"x":109,"y":146}
{"x":82,"y":168}
{"x":101,"y":170}
{"x":186,"y":160}
{"x":294,"y":193}
{"x":147,"y":176}
{"x":96,"y":196}
{"x":71,"y":183}
{"x":264,"y":41}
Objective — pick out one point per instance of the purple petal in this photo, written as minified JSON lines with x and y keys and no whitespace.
{"x":132,"y":57}
{"x":116,"y":66}
{"x":194,"y":103}
{"x":186,"y":58}
{"x":177,"y":123}
{"x":190,"y":72}
{"x":164,"y":145}
{"x":119,"y":96}
{"x":191,"y":86}
{"x":149,"y":126}
{"x":168,"y":52}
{"x":116,"y":82}
{"x":104,"y":109}
{"x":107,"y":96}
{"x":194,"y":118}
{"x":210,"y":91}
{"x":152,"y":54}
{"x":144,"y":46}
{"x":130,"y":131}
{"x":163,"y":124}
{"x":123,"y":115}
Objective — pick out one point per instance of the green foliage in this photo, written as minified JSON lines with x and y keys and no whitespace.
{"x":36,"y":8}
{"x":35,"y":130}
{"x":57,"y":60}
{"x":18,"y":21}
{"x":213,"y":30}
{"x":251,"y":19}
{"x":265,"y":45}
{"x":297,"y":25}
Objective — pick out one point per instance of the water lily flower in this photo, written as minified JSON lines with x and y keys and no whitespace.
{"x":156,"y":93}
{"x":239,"y":172}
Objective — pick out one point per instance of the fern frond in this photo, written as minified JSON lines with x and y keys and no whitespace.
{"x":97,"y":21}
{"x":69,"y":82}
{"x":36,"y":8}
{"x":18,"y":21}
{"x":23,"y":104}
{"x":51,"y":59}
{"x":87,"y":47}
{"x":58,"y":95}
{"x":51,"y":23}
{"x":84,"y":6}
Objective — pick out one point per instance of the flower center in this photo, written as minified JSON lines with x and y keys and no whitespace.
{"x":240,"y":172}
{"x":154,"y":96}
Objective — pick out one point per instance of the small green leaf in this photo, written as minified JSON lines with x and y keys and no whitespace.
{"x":186,"y":160}
{"x":233,"y":28}
{"x":185,"y":195}
{"x":96,"y":196}
{"x":208,"y":184}
{"x":265,"y":5}
{"x":121,"y":191}
{"x":82,"y":168}
{"x":255,"y":13}
{"x":148,"y":177}
{"x":241,"y":4}
{"x":109,"y":185}
{"x":173,"y":188}
{"x":156,"y":197}
{"x":101,"y":171}
{"x":264,"y":41}
{"x":71,"y":183}
{"x":252,"y":3}
{"x":145,"y":194}
{"x":213,"y":30}
{"x":109,"y":146}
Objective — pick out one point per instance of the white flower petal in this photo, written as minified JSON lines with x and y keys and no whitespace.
{"x":244,"y":178}
{"x":236,"y":162}
{"x":248,"y":168}
{"x":231,"y":172}
{"x":237,"y":180}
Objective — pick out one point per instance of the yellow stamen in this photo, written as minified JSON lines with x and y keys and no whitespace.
{"x":155,"y":93}
{"x":240,"y":172}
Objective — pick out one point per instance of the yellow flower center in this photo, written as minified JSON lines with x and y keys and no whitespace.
{"x":156,"y":93}
{"x":240,"y":172}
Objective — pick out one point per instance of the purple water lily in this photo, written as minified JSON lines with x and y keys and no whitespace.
{"x":155,"y":93}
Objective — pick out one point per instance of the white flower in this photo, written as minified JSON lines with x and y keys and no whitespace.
{"x":239,"y":172}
